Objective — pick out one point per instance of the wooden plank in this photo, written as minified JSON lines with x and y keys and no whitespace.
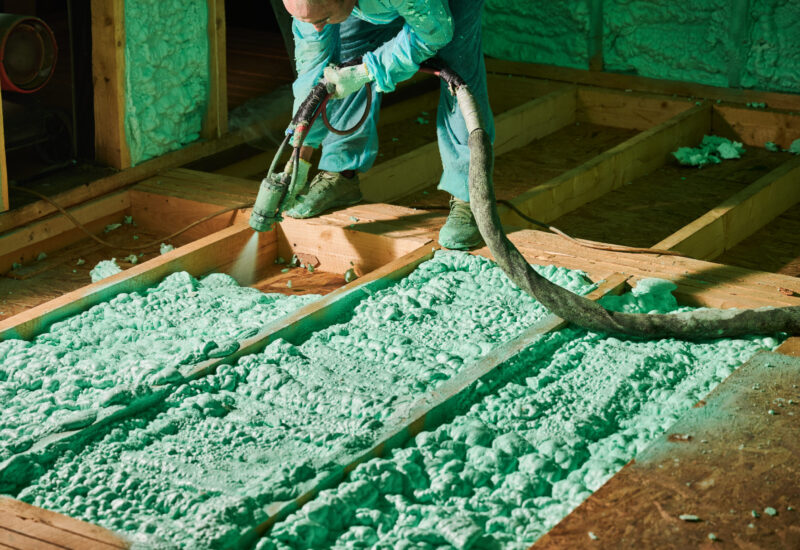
{"x":700,"y":283}
{"x":740,"y":216}
{"x":108,"y":74}
{"x":422,"y":167}
{"x":198,"y":258}
{"x":632,"y":110}
{"x":25,"y":244}
{"x":437,"y":407}
{"x":790,"y":347}
{"x":722,"y":460}
{"x":20,"y":541}
{"x":632,"y":159}
{"x":93,"y":534}
{"x":755,"y":127}
{"x":202,"y":187}
{"x":691,"y":90}
{"x":42,"y":532}
{"x":339,"y":248}
{"x":215,"y":123}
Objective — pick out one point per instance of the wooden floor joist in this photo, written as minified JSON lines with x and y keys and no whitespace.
{"x":630,"y":160}
{"x":740,"y":216}
{"x":756,"y":127}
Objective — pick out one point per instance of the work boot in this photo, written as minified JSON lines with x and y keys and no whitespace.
{"x":328,"y":190}
{"x":460,"y":231}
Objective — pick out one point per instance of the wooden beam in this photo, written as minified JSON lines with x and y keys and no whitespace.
{"x":624,"y":163}
{"x":422,"y":167}
{"x":740,"y":216}
{"x":108,"y":75}
{"x":215,"y":123}
{"x":26,"y":243}
{"x":44,"y":527}
{"x":755,"y":127}
{"x":339,"y":248}
{"x":691,"y":90}
{"x":632,"y":110}
{"x":700,"y":283}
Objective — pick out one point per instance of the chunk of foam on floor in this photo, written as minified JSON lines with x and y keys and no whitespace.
{"x":712,"y":150}
{"x":166,"y":248}
{"x":105,"y":268}
{"x":795,"y":147}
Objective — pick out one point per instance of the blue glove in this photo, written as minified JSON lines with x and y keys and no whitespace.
{"x":346,"y":80}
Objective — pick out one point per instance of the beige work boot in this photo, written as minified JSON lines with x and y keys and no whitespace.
{"x":327,"y":190}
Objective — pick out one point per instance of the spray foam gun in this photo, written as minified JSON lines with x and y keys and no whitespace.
{"x":277,"y":191}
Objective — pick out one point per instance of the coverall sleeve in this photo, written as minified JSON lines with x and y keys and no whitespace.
{"x":428,"y":28}
{"x":314,"y":50}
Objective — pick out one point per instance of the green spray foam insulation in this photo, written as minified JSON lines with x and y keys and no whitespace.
{"x":199,"y":469}
{"x":551,"y":427}
{"x":166,"y":74}
{"x":750,"y":44}
{"x":712,"y":150}
{"x":554,"y":33}
{"x":115,"y":351}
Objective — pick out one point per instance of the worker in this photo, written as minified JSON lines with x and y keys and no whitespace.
{"x":392,"y":38}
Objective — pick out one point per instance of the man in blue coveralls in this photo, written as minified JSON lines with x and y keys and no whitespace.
{"x":392,"y":37}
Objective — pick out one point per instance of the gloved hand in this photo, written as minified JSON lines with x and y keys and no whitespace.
{"x":346,"y":80}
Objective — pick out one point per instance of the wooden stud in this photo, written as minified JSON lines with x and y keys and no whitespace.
{"x":422,"y":167}
{"x":740,"y":216}
{"x":49,"y":529}
{"x":624,"y":163}
{"x":755,"y":127}
{"x":790,"y":102}
{"x":215,"y":123}
{"x":108,"y":70}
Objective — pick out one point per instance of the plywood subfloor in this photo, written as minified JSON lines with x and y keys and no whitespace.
{"x":775,"y":248}
{"x":541,"y":160}
{"x":653,"y":207}
{"x":302,"y":281}
{"x":728,"y":462}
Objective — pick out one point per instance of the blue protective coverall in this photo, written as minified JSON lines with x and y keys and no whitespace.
{"x":394,"y":37}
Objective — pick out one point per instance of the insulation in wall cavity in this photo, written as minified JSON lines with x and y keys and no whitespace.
{"x":670,"y":40}
{"x":773,"y":59}
{"x":538,"y":31}
{"x":166,"y":74}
